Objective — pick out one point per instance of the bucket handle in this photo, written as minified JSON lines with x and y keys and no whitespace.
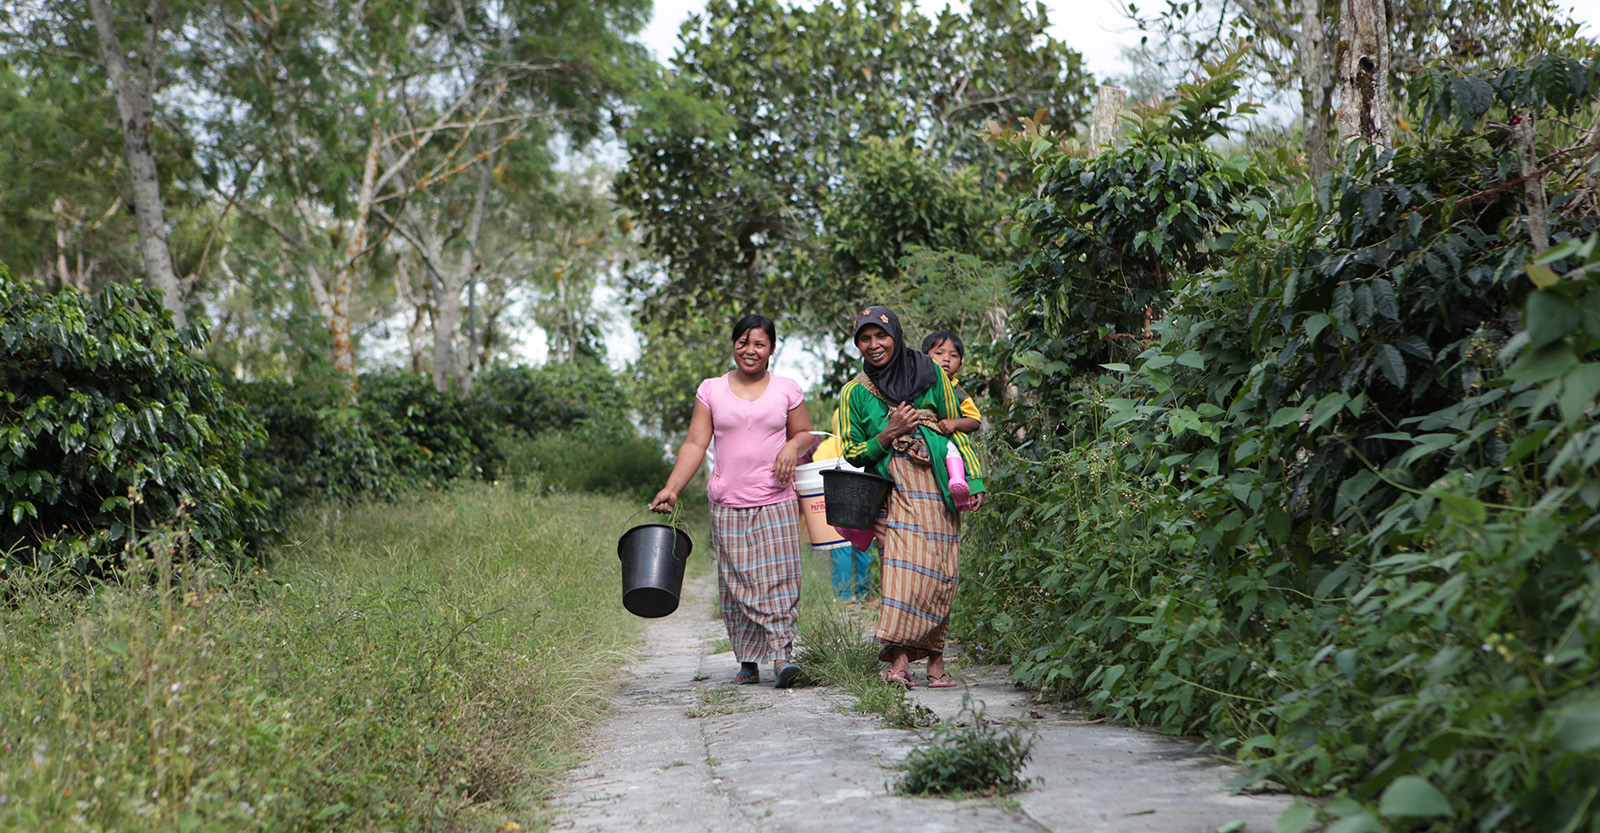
{"x":838,"y":461}
{"x":671,"y":519}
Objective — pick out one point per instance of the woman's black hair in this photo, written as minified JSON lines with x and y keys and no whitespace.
{"x":752,"y":321}
{"x":938,"y":337}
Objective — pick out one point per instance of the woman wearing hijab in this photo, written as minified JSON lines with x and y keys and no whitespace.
{"x":891,"y":428}
{"x":760,"y":424}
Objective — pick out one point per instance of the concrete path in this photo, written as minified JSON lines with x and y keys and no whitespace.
{"x":684,"y":750}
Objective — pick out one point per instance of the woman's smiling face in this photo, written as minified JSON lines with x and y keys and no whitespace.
{"x":875,"y":344}
{"x":752,"y":351}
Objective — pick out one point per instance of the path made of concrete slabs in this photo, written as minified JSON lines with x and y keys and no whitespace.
{"x":682,"y":749}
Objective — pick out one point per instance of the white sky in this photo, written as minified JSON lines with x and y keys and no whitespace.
{"x":1096,"y":28}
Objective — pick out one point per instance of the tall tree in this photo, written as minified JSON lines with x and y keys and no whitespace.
{"x":62,"y":217}
{"x":734,"y":203}
{"x":127,"y":44}
{"x":1295,"y":44}
{"x":359,"y":108}
{"x":134,"y":86}
{"x":534,"y":90}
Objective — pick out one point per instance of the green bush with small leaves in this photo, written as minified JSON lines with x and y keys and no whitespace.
{"x":112,"y":428}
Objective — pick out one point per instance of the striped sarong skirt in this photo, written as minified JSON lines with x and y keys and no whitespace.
{"x":921,"y":540}
{"x":758,"y":577}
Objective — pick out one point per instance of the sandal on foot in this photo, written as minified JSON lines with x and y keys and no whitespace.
{"x":941,"y":681}
{"x":786,"y":673}
{"x":898,"y":678}
{"x":746,"y":676}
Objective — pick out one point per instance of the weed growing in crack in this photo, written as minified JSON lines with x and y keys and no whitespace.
{"x":967,"y":755}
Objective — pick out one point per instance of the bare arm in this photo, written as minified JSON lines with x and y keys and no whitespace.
{"x":800,"y":441}
{"x":690,"y":455}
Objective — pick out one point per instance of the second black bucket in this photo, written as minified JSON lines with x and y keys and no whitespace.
{"x":653,"y":557}
{"x":852,"y":498}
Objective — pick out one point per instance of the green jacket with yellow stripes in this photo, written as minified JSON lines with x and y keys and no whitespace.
{"x":865,"y":415}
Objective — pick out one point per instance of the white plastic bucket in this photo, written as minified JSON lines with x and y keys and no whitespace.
{"x":808,"y":485}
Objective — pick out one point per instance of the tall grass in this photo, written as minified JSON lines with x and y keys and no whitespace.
{"x":421,"y":666}
{"x":835,"y":648}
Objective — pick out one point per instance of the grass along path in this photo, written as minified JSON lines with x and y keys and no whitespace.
{"x":418,"y":666}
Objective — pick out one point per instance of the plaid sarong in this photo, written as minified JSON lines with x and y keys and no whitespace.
{"x":758,"y":576}
{"x":921,"y":563}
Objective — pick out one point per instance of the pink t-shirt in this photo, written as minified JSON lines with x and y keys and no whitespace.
{"x":748,"y":437}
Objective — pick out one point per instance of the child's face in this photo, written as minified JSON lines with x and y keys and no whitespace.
{"x":944,"y":353}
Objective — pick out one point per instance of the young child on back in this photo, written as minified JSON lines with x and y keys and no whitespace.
{"x":947,"y":351}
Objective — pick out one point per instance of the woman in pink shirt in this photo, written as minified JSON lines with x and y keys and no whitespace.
{"x":761,"y":426}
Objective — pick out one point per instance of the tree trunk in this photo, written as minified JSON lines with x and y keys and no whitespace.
{"x":467,"y":363}
{"x":1365,"y":110}
{"x":1316,"y":86}
{"x":1538,"y":203}
{"x":1108,"y":103}
{"x":342,"y":292}
{"x":421,"y":308}
{"x":135,"y":95}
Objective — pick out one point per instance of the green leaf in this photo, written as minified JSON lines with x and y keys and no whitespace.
{"x":1578,"y":389}
{"x":1315,"y":324}
{"x":1576,"y":727}
{"x":1542,"y":365}
{"x":1549,"y":316}
{"x":1360,"y":821}
{"x":1542,"y":276}
{"x":1327,"y":408}
{"x":1286,"y":415}
{"x":1467,"y":509}
{"x":1392,"y":365}
{"x":1383,"y":299}
{"x":1297,"y":818}
{"x":331,"y":811}
{"x":1412,"y":797}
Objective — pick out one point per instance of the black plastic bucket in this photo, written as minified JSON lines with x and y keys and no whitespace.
{"x":653,"y":557}
{"x":852,"y":498}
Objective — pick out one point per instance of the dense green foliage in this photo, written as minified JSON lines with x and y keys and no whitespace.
{"x":565,"y":425}
{"x":110,"y":428}
{"x":1337,"y":513}
{"x":810,"y":145}
{"x":114,"y":427}
{"x":426,"y":666}
{"x":1110,"y":234}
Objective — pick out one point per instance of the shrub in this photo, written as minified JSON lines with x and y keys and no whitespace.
{"x":430,"y":438}
{"x":1338,"y":514}
{"x":561,"y":396}
{"x":111,"y":426}
{"x":968,"y":755}
{"x":315,"y":450}
{"x":593,"y":460}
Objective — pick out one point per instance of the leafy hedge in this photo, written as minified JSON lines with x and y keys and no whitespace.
{"x":111,"y":428}
{"x":1338,"y":514}
{"x":114,"y":429}
{"x":566,"y":425}
{"x":575,"y":429}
